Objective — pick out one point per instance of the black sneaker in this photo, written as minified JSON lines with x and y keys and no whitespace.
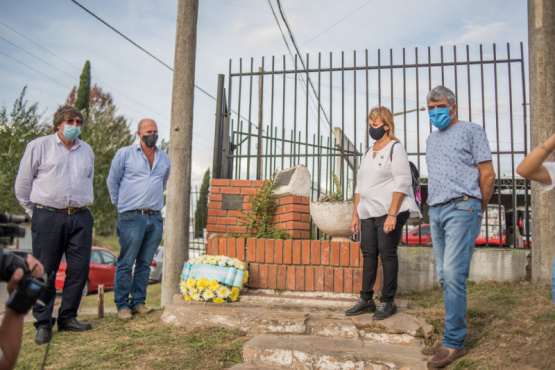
{"x":362,"y":306}
{"x":385,"y":310}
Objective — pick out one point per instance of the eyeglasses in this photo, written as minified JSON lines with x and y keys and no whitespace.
{"x":77,"y":121}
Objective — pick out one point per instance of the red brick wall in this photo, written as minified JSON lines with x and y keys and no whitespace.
{"x":297,"y":265}
{"x":292,"y":213}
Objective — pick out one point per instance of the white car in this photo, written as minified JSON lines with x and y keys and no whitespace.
{"x":157,"y":264}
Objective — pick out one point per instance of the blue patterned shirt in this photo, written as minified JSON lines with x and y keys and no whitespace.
{"x":452,"y":156}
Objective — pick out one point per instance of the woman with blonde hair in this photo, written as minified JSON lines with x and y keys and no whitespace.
{"x":384,"y":201}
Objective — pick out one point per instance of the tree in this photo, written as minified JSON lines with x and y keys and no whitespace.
{"x":201,"y":214}
{"x":99,"y":99}
{"x":83,"y":94}
{"x":16,"y":130}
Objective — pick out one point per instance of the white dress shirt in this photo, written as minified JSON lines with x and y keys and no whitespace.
{"x":52,"y":175}
{"x":379,"y":177}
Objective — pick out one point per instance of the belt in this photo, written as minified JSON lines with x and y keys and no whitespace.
{"x":454,"y":200}
{"x":67,"y":211}
{"x":146,"y":211}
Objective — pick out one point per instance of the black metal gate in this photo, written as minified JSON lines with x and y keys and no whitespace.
{"x":313,"y":111}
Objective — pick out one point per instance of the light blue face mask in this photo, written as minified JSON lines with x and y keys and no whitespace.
{"x":71,"y":132}
{"x":439,"y":117}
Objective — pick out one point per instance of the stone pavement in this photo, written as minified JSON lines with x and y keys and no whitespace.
{"x":310,"y":331}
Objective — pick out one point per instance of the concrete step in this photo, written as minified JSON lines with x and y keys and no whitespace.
{"x":315,"y":352}
{"x":299,"y":316}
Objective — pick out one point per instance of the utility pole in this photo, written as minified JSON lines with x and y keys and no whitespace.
{"x":176,"y":239}
{"x":541,"y":38}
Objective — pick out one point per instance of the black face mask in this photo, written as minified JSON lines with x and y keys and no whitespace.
{"x":376,"y":133}
{"x":150,"y":140}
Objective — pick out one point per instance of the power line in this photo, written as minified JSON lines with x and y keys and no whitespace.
{"x":136,"y":45}
{"x":336,"y":23}
{"x":39,"y":72}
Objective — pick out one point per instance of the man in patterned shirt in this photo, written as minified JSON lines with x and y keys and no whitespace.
{"x":460,"y":184}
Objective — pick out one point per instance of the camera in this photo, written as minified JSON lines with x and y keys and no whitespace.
{"x":30,"y":288}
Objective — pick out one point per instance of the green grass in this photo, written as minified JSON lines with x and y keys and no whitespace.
{"x":144,"y":342}
{"x":510,"y":325}
{"x":153,"y":296}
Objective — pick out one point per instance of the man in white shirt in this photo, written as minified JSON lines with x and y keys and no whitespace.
{"x":54,"y":185}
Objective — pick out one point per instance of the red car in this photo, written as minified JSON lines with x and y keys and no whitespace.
{"x":418,"y":235}
{"x":101,"y":271}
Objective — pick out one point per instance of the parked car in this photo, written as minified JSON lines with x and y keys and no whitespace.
{"x":419,"y":235}
{"x":101,"y":271}
{"x":157,"y":264}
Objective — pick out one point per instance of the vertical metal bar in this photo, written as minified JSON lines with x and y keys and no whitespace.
{"x":218,"y":149}
{"x":342,"y":135}
{"x":306,"y":109}
{"x":512,"y":142}
{"x":405,"y":100}
{"x":271,"y":129}
{"x":260,"y":121}
{"x":379,"y":79}
{"x":239,"y":121}
{"x":442,"y":66}
{"x":250,"y":121}
{"x":283,"y":118}
{"x":525,"y":120}
{"x":230,"y":160}
{"x":367,"y":101}
{"x":429,"y":78}
{"x":354,"y":156}
{"x":482,"y":87}
{"x":293,"y":158}
{"x":496,"y":136}
{"x":468,"y":82}
{"x":456,"y":76}
{"x":391,"y":77}
{"x":319,"y":176}
{"x":328,"y":173}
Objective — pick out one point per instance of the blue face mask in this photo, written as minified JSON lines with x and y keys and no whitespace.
{"x":439,"y":117}
{"x":71,"y":132}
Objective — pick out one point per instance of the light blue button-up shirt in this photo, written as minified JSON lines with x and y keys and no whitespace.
{"x":133,"y":184}
{"x":55,"y":176}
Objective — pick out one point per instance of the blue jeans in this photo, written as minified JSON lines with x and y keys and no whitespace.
{"x":454,"y":228}
{"x":139,"y":236}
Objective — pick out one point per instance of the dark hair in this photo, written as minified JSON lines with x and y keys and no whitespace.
{"x":66,"y":112}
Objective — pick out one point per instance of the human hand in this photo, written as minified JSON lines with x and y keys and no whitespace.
{"x":389,"y":224}
{"x":354,"y":224}
{"x":31,"y":262}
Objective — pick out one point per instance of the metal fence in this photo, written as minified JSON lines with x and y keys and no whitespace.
{"x":274,"y":114}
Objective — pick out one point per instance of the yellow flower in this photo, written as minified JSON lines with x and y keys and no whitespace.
{"x":218,"y":300}
{"x":202,"y":283}
{"x":191,"y":283}
{"x":187,"y":298}
{"x":246,"y":277}
{"x":193,"y":292}
{"x":208,"y":295}
{"x":234,"y":293}
{"x":183,"y":287}
{"x":213,"y":285}
{"x":223,"y":292}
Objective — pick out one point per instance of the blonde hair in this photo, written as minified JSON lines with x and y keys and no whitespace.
{"x":387,"y":118}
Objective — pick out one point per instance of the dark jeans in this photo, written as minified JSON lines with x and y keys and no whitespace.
{"x":53,"y":235}
{"x":375,"y":242}
{"x":139,"y":237}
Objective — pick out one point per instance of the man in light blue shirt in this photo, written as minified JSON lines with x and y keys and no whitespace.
{"x":136,"y":183}
{"x":54,"y":185}
{"x":460,"y":184}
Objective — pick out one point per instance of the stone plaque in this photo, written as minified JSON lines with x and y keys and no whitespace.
{"x":284,"y":177}
{"x":232,"y":202}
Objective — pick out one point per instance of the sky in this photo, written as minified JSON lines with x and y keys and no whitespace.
{"x":44,"y":45}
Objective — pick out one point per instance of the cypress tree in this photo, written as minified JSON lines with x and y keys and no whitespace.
{"x":201,"y":214}
{"x":84,"y":92}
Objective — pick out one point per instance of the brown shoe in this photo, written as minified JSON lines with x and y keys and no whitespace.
{"x":125,"y":314}
{"x":432,"y":351}
{"x":445,"y":357}
{"x":142,"y":309}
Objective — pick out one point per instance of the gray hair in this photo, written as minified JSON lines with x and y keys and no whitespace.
{"x":141,"y":123}
{"x":441,"y":92}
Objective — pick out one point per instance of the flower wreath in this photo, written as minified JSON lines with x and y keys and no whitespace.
{"x":215,"y":279}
